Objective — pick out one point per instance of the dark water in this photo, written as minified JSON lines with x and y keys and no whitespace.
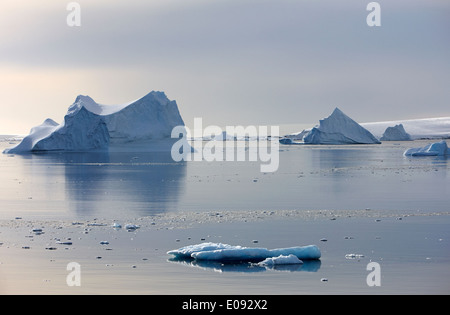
{"x":120,"y":185}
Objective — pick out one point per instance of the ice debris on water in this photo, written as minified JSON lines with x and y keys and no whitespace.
{"x":131,"y":227}
{"x":64,"y":243}
{"x":116,"y":225}
{"x":354,"y":256}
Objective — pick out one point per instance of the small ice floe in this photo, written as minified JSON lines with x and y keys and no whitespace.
{"x":104,"y":243}
{"x":224,"y":252}
{"x":354,"y":256}
{"x":281,"y":260}
{"x":96,"y":224}
{"x":37,"y":231}
{"x":64,"y":243}
{"x":324,"y":279}
{"x":116,"y":226}
{"x":131,"y":227}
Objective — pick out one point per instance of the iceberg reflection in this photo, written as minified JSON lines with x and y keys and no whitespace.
{"x":246,"y":267}
{"x":110,"y":184}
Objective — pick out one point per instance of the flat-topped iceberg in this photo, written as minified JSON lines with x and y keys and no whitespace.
{"x":396,"y":133}
{"x":90,"y":126}
{"x":338,"y":128}
{"x":432,"y":149}
{"x":224,"y":252}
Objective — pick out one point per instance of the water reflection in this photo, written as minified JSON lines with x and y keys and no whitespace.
{"x":247,"y":267}
{"x":116,"y":184}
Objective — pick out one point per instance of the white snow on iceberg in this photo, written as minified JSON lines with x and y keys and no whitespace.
{"x":91,"y":126}
{"x":338,"y":128}
{"x":225,"y":252}
{"x":396,"y":133}
{"x":281,"y":260}
{"x":433,"y":149}
{"x":81,"y":131}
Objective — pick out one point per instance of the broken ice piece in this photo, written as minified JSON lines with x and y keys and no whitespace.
{"x":131,"y":227}
{"x":354,"y":256}
{"x":64,"y":243}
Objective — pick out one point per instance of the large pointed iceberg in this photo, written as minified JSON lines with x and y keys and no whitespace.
{"x":91,"y":126}
{"x":338,"y":128}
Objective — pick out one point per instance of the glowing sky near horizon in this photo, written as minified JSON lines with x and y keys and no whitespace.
{"x":227,"y":61}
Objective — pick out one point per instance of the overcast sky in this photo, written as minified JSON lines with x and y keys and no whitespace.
{"x":231,"y":62}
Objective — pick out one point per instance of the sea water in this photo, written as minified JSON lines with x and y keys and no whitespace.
{"x":125,"y":184}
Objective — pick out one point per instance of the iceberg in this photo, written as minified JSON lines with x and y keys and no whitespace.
{"x":37,"y":133}
{"x":396,"y":133}
{"x":91,"y":126}
{"x":230,"y":253}
{"x":81,"y":131}
{"x":432,"y":149}
{"x":338,"y":128}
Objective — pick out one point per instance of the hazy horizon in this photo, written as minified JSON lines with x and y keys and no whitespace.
{"x":241,"y":62}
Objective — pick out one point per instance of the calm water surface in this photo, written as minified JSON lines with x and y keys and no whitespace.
{"x":120,"y":185}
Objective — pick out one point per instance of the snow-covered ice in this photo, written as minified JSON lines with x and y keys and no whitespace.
{"x":225,"y":252}
{"x":396,"y":133}
{"x":338,"y":128}
{"x":90,"y":126}
{"x":281,"y":260}
{"x":432,"y":149}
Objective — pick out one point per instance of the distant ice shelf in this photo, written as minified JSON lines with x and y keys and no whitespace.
{"x":426,"y":128}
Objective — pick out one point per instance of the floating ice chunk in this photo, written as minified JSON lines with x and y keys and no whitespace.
{"x":432,"y":149}
{"x":116,"y":225}
{"x":64,"y":242}
{"x":131,"y":227}
{"x":354,"y":256}
{"x":225,"y":252}
{"x":104,"y":243}
{"x":96,"y":224}
{"x":187,"y":251}
{"x":281,"y":260}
